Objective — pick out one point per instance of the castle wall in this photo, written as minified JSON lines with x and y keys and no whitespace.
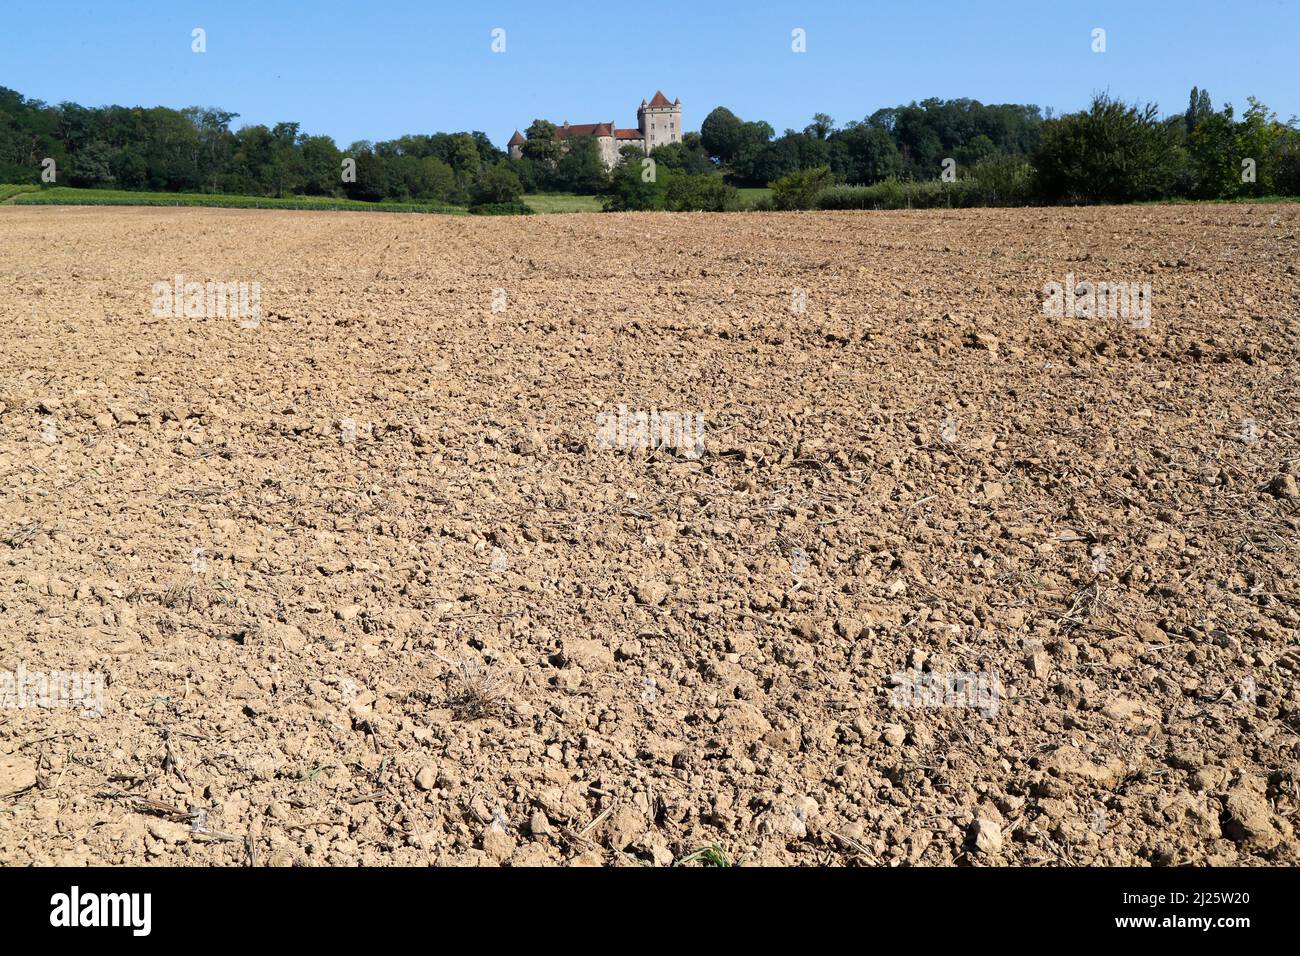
{"x":657,"y":124}
{"x":608,"y":150}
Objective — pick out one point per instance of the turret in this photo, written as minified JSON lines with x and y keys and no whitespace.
{"x":516,"y":145}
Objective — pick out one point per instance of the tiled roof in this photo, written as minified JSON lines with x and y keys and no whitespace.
{"x":660,"y":99}
{"x":579,"y":129}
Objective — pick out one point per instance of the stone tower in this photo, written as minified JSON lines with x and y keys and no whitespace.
{"x":516,"y":145}
{"x":660,"y":122}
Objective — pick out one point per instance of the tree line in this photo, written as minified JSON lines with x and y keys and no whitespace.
{"x":964,"y":153}
{"x":195,"y":150}
{"x":935,"y":152}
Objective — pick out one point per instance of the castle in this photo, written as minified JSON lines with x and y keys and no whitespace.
{"x":657,"y":122}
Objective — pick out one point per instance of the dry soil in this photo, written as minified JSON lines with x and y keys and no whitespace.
{"x":365,"y":586}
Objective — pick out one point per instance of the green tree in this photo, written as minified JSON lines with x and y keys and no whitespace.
{"x":287,"y":171}
{"x":720,"y":134}
{"x":215,"y":142}
{"x":1198,"y":107}
{"x":1255,"y":139}
{"x":129,"y":169}
{"x":978,"y":148}
{"x":868,"y":155}
{"x":580,"y":169}
{"x":322,"y":165}
{"x":1286,"y":161}
{"x":526,"y":170}
{"x":408,"y":179}
{"x":542,"y":147}
{"x":1112,"y":152}
{"x":498,"y":185}
{"x":440,"y":180}
{"x":171,"y":150}
{"x":1212,"y":149}
{"x":630,"y":188}
{"x":821,"y":126}
{"x":92,"y":166}
{"x":464,"y":158}
{"x":760,"y":162}
{"x":371,"y":183}
{"x":488,"y":154}
{"x":688,"y":156}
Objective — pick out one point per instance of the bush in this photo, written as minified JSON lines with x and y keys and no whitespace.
{"x":497,"y":186}
{"x":1002,"y":181}
{"x":500,"y":209}
{"x":707,"y":193}
{"x":886,"y":195}
{"x":799,"y":190}
{"x":629,"y":190}
{"x":899,"y":194}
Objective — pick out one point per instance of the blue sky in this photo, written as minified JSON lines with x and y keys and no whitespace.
{"x":375,"y":70}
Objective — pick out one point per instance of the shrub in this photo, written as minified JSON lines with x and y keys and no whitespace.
{"x":500,"y":209}
{"x":898,"y":194}
{"x":628,"y":189}
{"x":707,"y":193}
{"x":1002,"y":181}
{"x":497,"y":186}
{"x":799,"y":190}
{"x":857,"y":197}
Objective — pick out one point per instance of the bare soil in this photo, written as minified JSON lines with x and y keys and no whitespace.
{"x":366,"y":588}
